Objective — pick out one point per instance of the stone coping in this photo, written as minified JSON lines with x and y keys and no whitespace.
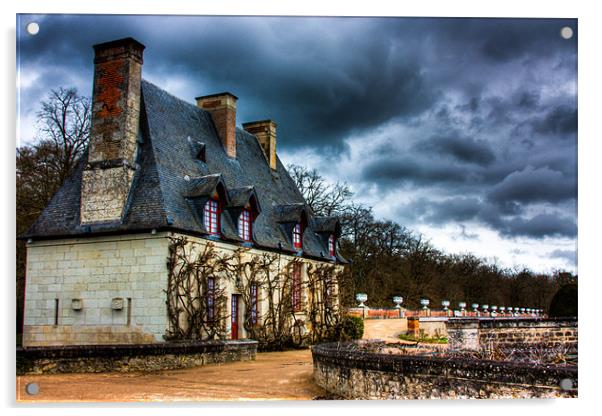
{"x":90,"y":351}
{"x":509,"y":322}
{"x":343,"y":355}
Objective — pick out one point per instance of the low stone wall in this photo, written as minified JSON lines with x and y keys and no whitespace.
{"x":354,"y":374}
{"x":474,"y":333}
{"x":127,"y":358}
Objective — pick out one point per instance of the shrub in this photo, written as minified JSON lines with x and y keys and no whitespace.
{"x":564,"y":302}
{"x":350,"y":327}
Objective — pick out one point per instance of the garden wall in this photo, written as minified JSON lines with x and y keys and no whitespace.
{"x":351,"y":373}
{"x":127,"y":358}
{"x":474,"y":333}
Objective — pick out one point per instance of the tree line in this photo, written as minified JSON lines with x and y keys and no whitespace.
{"x":387,"y":259}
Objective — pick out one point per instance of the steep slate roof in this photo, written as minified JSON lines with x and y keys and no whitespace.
{"x":172,"y":182}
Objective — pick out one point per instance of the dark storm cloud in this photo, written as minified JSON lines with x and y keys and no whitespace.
{"x":464,"y":149}
{"x":542,"y":225}
{"x":496,"y":122}
{"x":318,"y":84}
{"x":403,"y":170}
{"x":534,"y":185}
{"x":561,"y":120}
{"x":569,"y":255}
{"x":509,"y":220}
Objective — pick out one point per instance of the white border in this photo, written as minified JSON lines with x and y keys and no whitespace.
{"x":590,"y":70}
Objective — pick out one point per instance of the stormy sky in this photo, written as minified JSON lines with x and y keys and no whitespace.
{"x":464,"y":130}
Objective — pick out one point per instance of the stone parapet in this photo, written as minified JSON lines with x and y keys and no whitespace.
{"x":348,"y":372}
{"x":474,"y":333}
{"x":128,"y":358}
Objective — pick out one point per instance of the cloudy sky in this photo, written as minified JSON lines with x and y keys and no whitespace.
{"x":464,"y":130}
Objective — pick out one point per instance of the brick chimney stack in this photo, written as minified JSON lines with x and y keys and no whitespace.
{"x":222,"y":108}
{"x":265,"y":131}
{"x":108,"y":175}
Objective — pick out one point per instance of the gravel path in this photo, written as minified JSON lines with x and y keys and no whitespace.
{"x":272,"y":376}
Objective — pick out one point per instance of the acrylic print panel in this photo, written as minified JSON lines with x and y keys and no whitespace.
{"x":407,"y":189}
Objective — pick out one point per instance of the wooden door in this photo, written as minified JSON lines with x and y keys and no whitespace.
{"x":234,"y":316}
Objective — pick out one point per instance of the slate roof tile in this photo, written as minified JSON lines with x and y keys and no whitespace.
{"x":171,"y":175}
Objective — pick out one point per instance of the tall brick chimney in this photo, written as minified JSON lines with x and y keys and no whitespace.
{"x":222,"y":108}
{"x":108,"y":175}
{"x":265,"y":131}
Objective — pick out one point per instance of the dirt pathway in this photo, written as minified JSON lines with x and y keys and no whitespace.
{"x":272,"y":376}
{"x":385,"y":329}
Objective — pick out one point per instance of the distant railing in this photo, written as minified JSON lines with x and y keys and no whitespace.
{"x":392,"y":313}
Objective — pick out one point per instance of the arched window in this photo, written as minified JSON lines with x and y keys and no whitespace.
{"x":298,"y":236}
{"x":244,"y":225}
{"x":212,"y":215}
{"x":331,"y":242}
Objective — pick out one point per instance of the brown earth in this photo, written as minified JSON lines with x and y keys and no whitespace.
{"x":272,"y":376}
{"x":385,"y":329}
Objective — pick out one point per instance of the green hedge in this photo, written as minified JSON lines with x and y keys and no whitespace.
{"x":350,"y":327}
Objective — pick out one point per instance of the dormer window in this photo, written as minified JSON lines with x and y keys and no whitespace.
{"x":331,"y":243}
{"x":298,"y":236}
{"x":212,"y":215}
{"x":245,"y":225}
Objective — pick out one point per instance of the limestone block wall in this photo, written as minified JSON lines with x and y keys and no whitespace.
{"x":112,"y":290}
{"x":74,"y":287}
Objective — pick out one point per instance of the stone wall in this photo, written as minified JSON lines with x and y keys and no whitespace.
{"x":354,"y":374}
{"x":112,"y":290}
{"x":127,"y":358}
{"x":99,"y":290}
{"x":474,"y":333}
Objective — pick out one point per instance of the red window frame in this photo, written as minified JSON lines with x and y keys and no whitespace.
{"x":254,"y":304}
{"x":245,"y":224}
{"x":298,"y":236}
{"x":331,"y":245}
{"x":210,"y":298}
{"x":212,"y":217}
{"x":296,"y":290}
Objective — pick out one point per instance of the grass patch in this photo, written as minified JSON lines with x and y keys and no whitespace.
{"x":426,"y":340}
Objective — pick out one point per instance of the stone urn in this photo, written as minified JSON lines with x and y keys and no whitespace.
{"x":361,"y":298}
{"x":397,"y":300}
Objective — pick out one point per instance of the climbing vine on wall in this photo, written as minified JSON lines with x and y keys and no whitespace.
{"x":199,"y":274}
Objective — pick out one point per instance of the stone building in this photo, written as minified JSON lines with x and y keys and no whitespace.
{"x":160,"y":172}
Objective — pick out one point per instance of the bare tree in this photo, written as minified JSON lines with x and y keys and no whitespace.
{"x":324,"y":199}
{"x":64,"y":124}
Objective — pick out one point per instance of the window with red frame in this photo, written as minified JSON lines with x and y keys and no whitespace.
{"x":254,"y":304}
{"x":331,"y":243}
{"x":244,"y":225}
{"x":297,"y":236}
{"x":210,"y":298}
{"x":296,"y":287}
{"x":212,"y":217}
